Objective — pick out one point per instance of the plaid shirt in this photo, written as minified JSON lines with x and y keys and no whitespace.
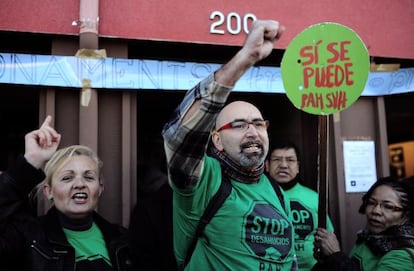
{"x":185,"y":143}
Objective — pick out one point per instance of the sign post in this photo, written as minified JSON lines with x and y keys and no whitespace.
{"x":324,"y":70}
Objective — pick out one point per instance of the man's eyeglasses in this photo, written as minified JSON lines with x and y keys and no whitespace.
{"x":385,"y":206}
{"x":278,"y":160}
{"x":243,"y":125}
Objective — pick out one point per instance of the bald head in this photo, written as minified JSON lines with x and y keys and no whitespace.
{"x":246,"y":145}
{"x":237,"y":110}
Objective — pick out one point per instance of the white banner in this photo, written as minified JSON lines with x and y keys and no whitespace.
{"x":142,"y":74}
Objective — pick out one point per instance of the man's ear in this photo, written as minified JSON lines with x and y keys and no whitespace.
{"x":215,"y":137}
{"x":267,"y":166}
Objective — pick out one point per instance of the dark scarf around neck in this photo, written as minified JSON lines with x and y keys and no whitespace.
{"x":75,"y":224}
{"x":234,"y":170}
{"x":288,"y":185}
{"x":395,"y":237}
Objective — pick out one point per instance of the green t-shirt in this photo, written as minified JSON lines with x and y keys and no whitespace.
{"x":304,"y":205}
{"x":394,"y":260}
{"x":251,"y":231}
{"x":90,"y":249}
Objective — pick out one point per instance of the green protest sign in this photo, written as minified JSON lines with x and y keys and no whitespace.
{"x":325,"y":68}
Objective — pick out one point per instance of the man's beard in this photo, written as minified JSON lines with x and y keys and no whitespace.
{"x":251,"y":160}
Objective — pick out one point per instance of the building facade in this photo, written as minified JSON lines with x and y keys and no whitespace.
{"x":124,"y":124}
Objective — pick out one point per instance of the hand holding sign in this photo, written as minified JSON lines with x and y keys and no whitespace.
{"x":324,"y":70}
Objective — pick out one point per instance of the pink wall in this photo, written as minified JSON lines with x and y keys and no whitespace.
{"x":386,"y":26}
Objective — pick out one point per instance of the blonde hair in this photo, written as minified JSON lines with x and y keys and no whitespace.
{"x":60,"y":158}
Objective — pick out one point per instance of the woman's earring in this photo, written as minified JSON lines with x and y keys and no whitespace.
{"x":50,"y":197}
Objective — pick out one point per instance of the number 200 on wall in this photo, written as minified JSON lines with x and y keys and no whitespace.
{"x":233,"y":23}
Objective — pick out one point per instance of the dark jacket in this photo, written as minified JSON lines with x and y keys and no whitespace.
{"x":150,"y":231}
{"x":28,"y":242}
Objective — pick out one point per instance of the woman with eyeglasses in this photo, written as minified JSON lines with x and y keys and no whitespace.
{"x":387,"y":242}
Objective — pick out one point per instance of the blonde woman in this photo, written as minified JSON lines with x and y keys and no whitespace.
{"x":71,"y":236}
